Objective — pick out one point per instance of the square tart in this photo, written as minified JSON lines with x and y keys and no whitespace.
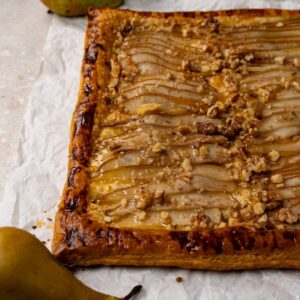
{"x":185,"y":146}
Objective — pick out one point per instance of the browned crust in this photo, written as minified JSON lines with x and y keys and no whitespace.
{"x":81,"y":241}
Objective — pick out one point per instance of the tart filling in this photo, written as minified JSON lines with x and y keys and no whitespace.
{"x":198,"y":125}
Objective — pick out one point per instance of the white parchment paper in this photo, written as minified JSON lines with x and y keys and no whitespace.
{"x":34,"y":188}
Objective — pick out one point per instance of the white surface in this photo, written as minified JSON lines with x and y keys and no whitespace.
{"x":23,"y":29}
{"x":34,"y":187}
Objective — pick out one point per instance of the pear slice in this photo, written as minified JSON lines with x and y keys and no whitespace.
{"x":28,"y":271}
{"x":73,"y":8}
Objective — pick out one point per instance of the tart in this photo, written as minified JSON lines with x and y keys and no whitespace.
{"x":185,"y":142}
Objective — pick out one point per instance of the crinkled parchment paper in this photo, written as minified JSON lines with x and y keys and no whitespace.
{"x":34,"y":188}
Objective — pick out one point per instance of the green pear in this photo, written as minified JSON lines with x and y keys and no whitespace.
{"x":28,"y":271}
{"x":72,"y":8}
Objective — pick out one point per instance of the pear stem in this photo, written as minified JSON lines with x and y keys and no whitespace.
{"x":133,"y":292}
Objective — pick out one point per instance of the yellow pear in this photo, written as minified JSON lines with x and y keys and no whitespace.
{"x":72,"y":8}
{"x":28,"y":271}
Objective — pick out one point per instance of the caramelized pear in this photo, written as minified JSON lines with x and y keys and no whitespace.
{"x":72,"y":8}
{"x":28,"y":271}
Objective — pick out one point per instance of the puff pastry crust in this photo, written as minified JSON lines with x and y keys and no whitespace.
{"x":185,"y":146}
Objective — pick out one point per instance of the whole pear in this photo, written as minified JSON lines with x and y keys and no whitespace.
{"x":72,"y":8}
{"x":28,"y":271}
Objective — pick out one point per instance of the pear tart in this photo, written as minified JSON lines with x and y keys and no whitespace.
{"x":185,"y":146}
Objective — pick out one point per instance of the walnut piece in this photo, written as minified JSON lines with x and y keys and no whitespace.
{"x":215,"y":215}
{"x":274,"y":155}
{"x":259,"y":208}
{"x":203,"y":150}
{"x":107,"y":219}
{"x":263,"y":219}
{"x":164,"y":215}
{"x":186,"y":164}
{"x":288,"y":216}
{"x":277,"y":178}
{"x":279,"y":60}
{"x":141,"y":215}
{"x":157,"y":148}
{"x":199,"y":89}
{"x":296,"y":62}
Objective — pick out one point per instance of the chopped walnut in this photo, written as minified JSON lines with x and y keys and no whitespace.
{"x":243,"y":197}
{"x":148,"y":108}
{"x":214,"y":110}
{"x":141,"y":215}
{"x":186,"y":32}
{"x":274,"y":155}
{"x":279,"y":60}
{"x":203,"y":47}
{"x":259,"y":208}
{"x":255,"y":164}
{"x":141,"y":203}
{"x":264,"y":94}
{"x":249,"y":57}
{"x":222,"y":225}
{"x":203,"y":150}
{"x":199,"y":89}
{"x":130,"y":72}
{"x":247,"y":213}
{"x":233,"y":221}
{"x":200,"y":220}
{"x":296,"y":62}
{"x":227,"y":52}
{"x":277,"y":178}
{"x":170,"y":227}
{"x":186,"y":177}
{"x":164,"y":216}
{"x":280,"y":226}
{"x":205,"y":68}
{"x":288,"y":216}
{"x":157,"y":148}
{"x":107,"y":219}
{"x":186,"y":164}
{"x":215,"y":215}
{"x":143,"y":198}
{"x":296,"y":85}
{"x":285,"y":82}
{"x":207,"y":100}
{"x":245,"y":175}
{"x":185,"y":64}
{"x":263,"y":219}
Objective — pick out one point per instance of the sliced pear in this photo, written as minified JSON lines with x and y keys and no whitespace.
{"x":73,"y":8}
